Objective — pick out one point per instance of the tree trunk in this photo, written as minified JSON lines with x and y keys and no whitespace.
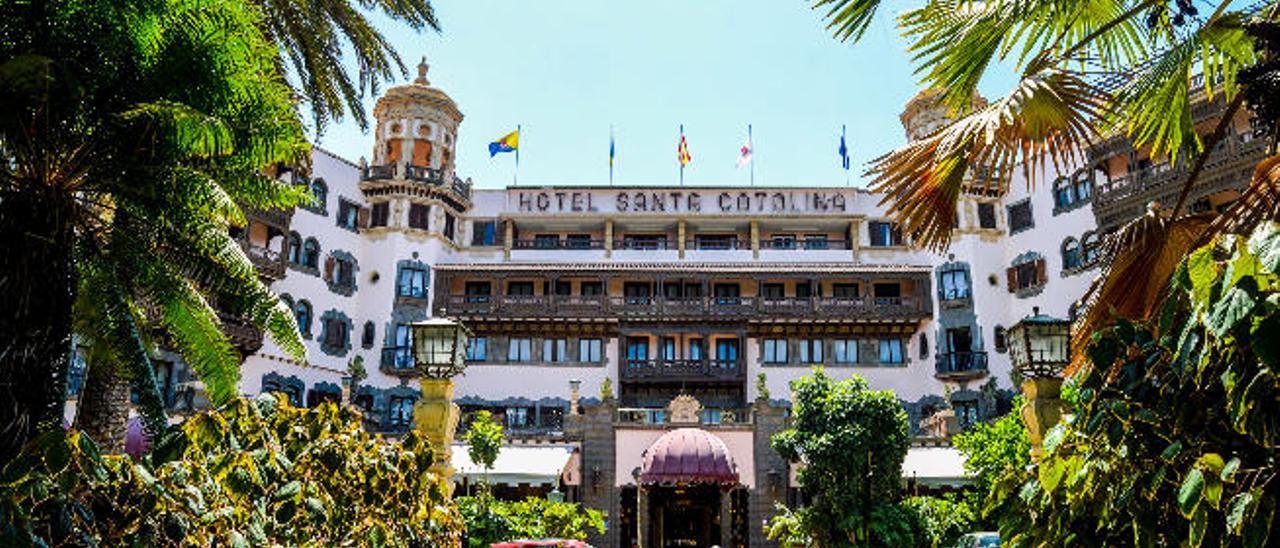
{"x":37,"y":289}
{"x":103,"y":411}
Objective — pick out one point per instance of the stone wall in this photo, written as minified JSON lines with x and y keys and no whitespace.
{"x":594,"y":428}
{"x":770,"y":488}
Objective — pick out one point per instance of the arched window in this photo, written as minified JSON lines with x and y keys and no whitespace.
{"x":366,"y":338}
{"x":302,"y":313}
{"x":1000,"y":344}
{"x":295,"y":248}
{"x":287,"y":300}
{"x":321,"y":194}
{"x":1083,"y":184}
{"x":311,"y":253}
{"x":1063,"y":196}
{"x":1091,"y":248}
{"x":1071,"y":254}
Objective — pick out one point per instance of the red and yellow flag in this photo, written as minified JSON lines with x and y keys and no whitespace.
{"x":682,"y":150}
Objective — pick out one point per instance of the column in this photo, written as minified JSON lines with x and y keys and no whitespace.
{"x":608,"y":238}
{"x":642,"y":516}
{"x":508,"y":238}
{"x":726,"y":517}
{"x":755,"y":239}
{"x":855,"y":238}
{"x":680,"y":237}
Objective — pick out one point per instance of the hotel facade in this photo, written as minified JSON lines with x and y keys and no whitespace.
{"x":638,"y":342}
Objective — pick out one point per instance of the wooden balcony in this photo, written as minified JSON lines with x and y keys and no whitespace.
{"x":708,"y":308}
{"x":961,"y":365}
{"x":269,"y":263}
{"x":243,"y":335}
{"x":676,"y":371}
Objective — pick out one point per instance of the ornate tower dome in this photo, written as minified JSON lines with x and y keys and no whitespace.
{"x":923,"y":114}
{"x":416,"y":124}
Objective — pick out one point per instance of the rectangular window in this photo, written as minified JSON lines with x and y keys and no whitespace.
{"x":478,"y":292}
{"x":519,"y":349}
{"x":1020,"y":217}
{"x":727,"y":350}
{"x":775,"y":351}
{"x":845,"y":290}
{"x":404,"y":347}
{"x":888,"y":293}
{"x":783,"y":241}
{"x":637,"y":348}
{"x":727,"y":293}
{"x":669,"y":348}
{"x":986,"y":215}
{"x":335,"y":334}
{"x":590,"y":289}
{"x":1027,"y":274}
{"x":563,"y":288}
{"x":891,"y":351}
{"x":400,"y":411}
{"x":419,"y":216}
{"x":555,"y":350}
{"x":347,"y":214}
{"x":380,"y":215}
{"x":695,"y":350}
{"x":577,"y":241}
{"x":955,"y":284}
{"x":477,"y":349}
{"x":773,"y":292}
{"x":412,"y":283}
{"x":484,"y":233}
{"x":811,"y":351}
{"x":346,"y":273}
{"x":644,"y":241}
{"x":590,"y":350}
{"x":715,"y":241}
{"x":815,"y":241}
{"x":449,"y":223}
{"x":546,"y":241}
{"x":885,"y":234}
{"x":520,"y":288}
{"x":516,"y":417}
{"x":846,"y":350}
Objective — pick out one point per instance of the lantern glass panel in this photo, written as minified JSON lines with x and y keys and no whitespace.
{"x":1049,"y":343}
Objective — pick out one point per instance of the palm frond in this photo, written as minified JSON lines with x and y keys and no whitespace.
{"x":1045,"y":120}
{"x":848,"y":19}
{"x":183,"y":131}
{"x":1140,"y":258}
{"x":1259,"y":203}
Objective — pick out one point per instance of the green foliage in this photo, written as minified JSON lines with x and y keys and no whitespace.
{"x":489,"y":521}
{"x":606,"y":389}
{"x":355,"y":368}
{"x":942,"y":521}
{"x":484,"y":439}
{"x":852,"y":441}
{"x":1175,"y":435}
{"x":762,"y":386}
{"x":992,"y":450}
{"x":255,"y":472}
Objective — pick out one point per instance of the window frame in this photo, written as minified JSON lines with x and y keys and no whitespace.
{"x":774,"y":351}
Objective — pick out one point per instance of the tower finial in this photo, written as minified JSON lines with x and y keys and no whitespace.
{"x":422,"y":72}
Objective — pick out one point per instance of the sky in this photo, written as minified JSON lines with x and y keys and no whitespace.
{"x":567,"y":71}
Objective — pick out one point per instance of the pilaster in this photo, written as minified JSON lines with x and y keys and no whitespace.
{"x":755,"y":239}
{"x":508,"y":238}
{"x":680,"y":231}
{"x":608,"y":238}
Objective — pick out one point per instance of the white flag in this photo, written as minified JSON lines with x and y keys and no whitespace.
{"x":744,"y":154}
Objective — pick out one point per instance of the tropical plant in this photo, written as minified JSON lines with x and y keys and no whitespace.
{"x":942,"y":520}
{"x":493,"y":521}
{"x":255,"y":472}
{"x":992,"y":450}
{"x":484,"y":440}
{"x":852,"y":441}
{"x":133,"y":134}
{"x":1176,"y":430}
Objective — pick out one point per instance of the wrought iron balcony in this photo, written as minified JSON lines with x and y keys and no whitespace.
{"x":708,"y":417}
{"x":961,"y":365}
{"x":573,"y":306}
{"x":683,"y":370}
{"x":810,"y":244}
{"x":376,"y":172}
{"x":420,"y":175}
{"x":397,"y":360}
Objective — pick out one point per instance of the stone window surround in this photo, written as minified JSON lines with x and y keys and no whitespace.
{"x":335,"y":314}
{"x":1030,"y":211}
{"x":332,"y":282}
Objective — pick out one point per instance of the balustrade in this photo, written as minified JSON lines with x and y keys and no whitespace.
{"x":656,"y":307}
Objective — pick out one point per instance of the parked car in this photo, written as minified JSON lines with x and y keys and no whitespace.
{"x":560,"y":543}
{"x":979,"y":540}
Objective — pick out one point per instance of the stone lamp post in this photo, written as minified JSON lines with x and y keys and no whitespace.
{"x":1040,"y":347}
{"x":439,"y":347}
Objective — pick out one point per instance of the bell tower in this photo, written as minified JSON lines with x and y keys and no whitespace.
{"x":417,"y":125}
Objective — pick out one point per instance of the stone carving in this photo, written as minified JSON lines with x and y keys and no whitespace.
{"x":685,"y":409}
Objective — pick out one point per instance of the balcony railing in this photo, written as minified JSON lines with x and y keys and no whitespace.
{"x":660,"y":416}
{"x":243,"y":335}
{"x":683,"y":370}
{"x":717,"y":244}
{"x":962,"y":364}
{"x":804,"y":245}
{"x":567,"y":243}
{"x":541,"y":306}
{"x":268,"y":262}
{"x":418,"y":174}
{"x":397,"y":359}
{"x":385,"y":171}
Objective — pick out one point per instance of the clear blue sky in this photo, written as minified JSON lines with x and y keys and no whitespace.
{"x":566,"y":71}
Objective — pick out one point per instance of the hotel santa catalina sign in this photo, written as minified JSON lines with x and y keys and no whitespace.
{"x":737,"y":201}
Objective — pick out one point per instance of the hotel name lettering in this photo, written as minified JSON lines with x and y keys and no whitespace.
{"x":676,"y":201}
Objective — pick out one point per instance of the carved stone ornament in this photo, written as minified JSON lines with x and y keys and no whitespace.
{"x":685,"y":409}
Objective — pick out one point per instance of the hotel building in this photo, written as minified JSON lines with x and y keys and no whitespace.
{"x":638,"y":342}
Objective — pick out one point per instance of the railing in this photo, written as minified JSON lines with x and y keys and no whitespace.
{"x":645,"y":245}
{"x":418,"y":174}
{"x":397,"y":359}
{"x":660,"y":416}
{"x":655,"y":307}
{"x":955,"y":295}
{"x":268,"y":262}
{"x":961,"y":364}
{"x":423,"y":174}
{"x":716,"y":244}
{"x":567,"y":243}
{"x":804,"y":245}
{"x":386,"y":171}
{"x":677,"y":370}
{"x":243,"y":335}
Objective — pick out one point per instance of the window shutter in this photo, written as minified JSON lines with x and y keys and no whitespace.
{"x":1041,"y":276}
{"x":362,"y":217}
{"x":1011,"y":274}
{"x":328,"y":268}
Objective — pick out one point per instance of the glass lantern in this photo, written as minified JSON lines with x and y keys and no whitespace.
{"x":439,"y":347}
{"x":1040,"y":345}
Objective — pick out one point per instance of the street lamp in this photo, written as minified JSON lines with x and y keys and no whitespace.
{"x":439,"y":346}
{"x":1040,"y":347}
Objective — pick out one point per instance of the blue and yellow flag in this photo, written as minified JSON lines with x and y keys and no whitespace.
{"x":507,"y":143}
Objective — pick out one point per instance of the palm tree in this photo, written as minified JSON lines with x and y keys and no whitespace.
{"x":1058,"y":107}
{"x":132,"y":135}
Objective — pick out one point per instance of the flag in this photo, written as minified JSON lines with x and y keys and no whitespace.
{"x":682,"y":151}
{"x":611,"y":150}
{"x":844,"y":151}
{"x":507,"y":143}
{"x":744,"y":153}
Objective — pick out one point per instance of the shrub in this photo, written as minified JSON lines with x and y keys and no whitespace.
{"x":253,"y":472}
{"x":490,"y":521}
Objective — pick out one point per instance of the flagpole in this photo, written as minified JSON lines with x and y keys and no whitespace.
{"x":679,"y":151}
{"x":515,"y":177}
{"x":752,"y":142}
